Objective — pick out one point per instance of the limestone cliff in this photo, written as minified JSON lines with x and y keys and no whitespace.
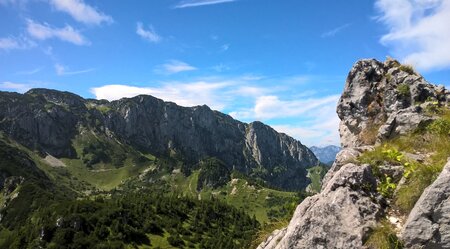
{"x":48,"y":121}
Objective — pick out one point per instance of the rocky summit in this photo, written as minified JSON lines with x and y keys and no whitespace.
{"x":48,"y":121}
{"x":388,"y":187}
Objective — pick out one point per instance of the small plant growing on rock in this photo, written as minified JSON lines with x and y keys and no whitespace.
{"x":408,"y":69}
{"x":383,"y":236}
{"x":386,"y":187}
{"x":403,"y":90}
{"x":388,"y":77}
{"x":392,"y":154}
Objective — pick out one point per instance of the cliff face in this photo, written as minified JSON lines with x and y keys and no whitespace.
{"x":48,"y":121}
{"x":380,"y":101}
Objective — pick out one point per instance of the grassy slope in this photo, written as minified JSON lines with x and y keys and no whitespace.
{"x":433,"y":143}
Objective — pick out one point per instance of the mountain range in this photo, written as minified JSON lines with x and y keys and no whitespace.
{"x":326,"y":154}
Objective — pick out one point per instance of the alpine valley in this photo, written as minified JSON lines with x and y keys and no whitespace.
{"x":140,"y":172}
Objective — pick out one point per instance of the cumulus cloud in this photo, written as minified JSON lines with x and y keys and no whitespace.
{"x":418,"y":31}
{"x":16,"y":87}
{"x":10,"y":43}
{"x":148,"y":34}
{"x":197,"y":3}
{"x":81,"y":11}
{"x":316,"y":117}
{"x":270,"y":107}
{"x":174,"y":66}
{"x":44,"y":32}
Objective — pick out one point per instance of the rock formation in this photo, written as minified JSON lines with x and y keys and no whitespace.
{"x":48,"y":121}
{"x":383,"y":100}
{"x":380,"y":101}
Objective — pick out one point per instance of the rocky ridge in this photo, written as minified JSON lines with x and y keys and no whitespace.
{"x":48,"y":121}
{"x":380,"y":101}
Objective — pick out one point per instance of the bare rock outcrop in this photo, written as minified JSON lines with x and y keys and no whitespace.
{"x":339,"y":217}
{"x":428,"y":224}
{"x":383,"y":100}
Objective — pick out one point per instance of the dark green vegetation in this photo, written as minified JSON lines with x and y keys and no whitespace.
{"x":37,"y":212}
{"x":133,"y":219}
{"x":316,"y":174}
{"x":105,"y":206}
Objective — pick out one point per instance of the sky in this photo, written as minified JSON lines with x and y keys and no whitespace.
{"x":280,"y":62}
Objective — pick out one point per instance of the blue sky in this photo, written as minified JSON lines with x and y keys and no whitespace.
{"x":280,"y":62}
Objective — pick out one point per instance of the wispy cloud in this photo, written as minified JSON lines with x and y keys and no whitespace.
{"x":197,"y":3}
{"x":44,"y":32}
{"x":81,"y":11}
{"x":224,"y":47}
{"x":16,"y":87}
{"x":30,"y":72}
{"x":335,"y":31}
{"x":418,"y":31}
{"x":148,"y":34}
{"x":10,"y":43}
{"x":62,"y":70}
{"x":174,"y":66}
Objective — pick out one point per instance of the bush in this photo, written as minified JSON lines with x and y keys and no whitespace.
{"x":403,"y":90}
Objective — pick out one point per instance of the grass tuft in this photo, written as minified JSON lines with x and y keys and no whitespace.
{"x":383,"y":237}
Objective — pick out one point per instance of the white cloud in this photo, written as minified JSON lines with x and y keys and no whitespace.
{"x":17,"y":87}
{"x":313,"y":121}
{"x":335,"y":31}
{"x":174,"y":66}
{"x":320,"y":129}
{"x":149,"y":35}
{"x":81,"y":11}
{"x":269,"y":107}
{"x":44,"y":32}
{"x":184,"y":94}
{"x":10,"y":43}
{"x":62,"y":70}
{"x":196,"y":3}
{"x":418,"y":31}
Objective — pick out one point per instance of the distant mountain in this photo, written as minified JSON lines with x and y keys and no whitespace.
{"x":65,"y":125}
{"x":326,"y":154}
